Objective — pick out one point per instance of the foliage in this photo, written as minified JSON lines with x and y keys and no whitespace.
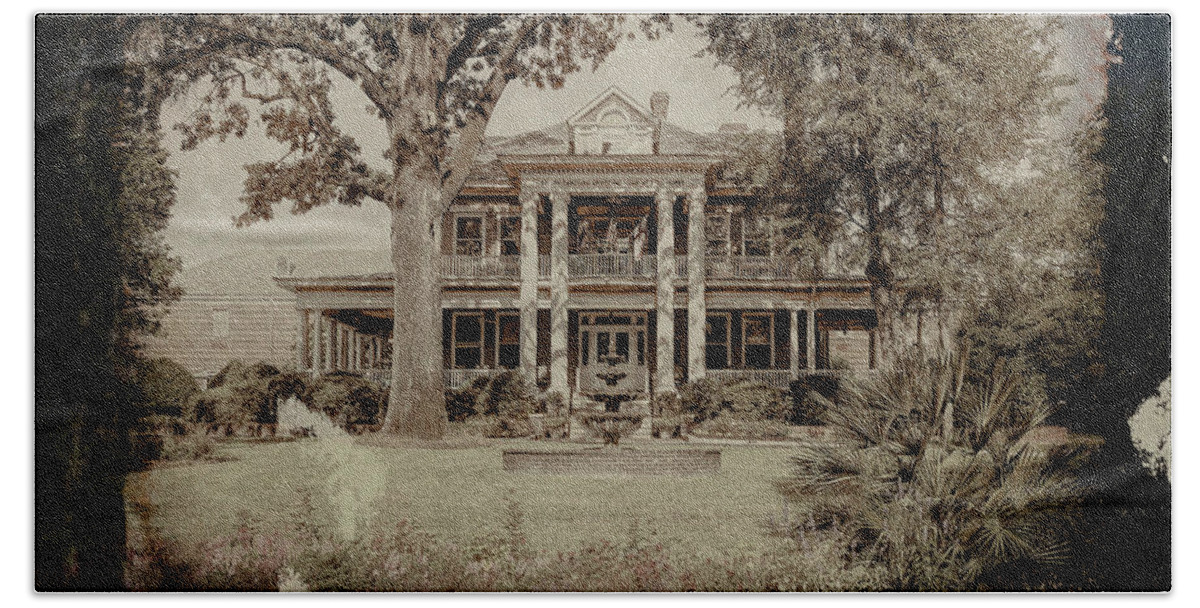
{"x":892,"y":165}
{"x":241,"y":394}
{"x":736,"y":427}
{"x":811,"y":398}
{"x":611,"y":426}
{"x":432,"y":80}
{"x":461,"y":402}
{"x":936,"y":476}
{"x":1150,"y":429}
{"x":705,"y":399}
{"x":165,"y":385}
{"x":406,"y":558}
{"x":508,"y":394}
{"x":103,"y":279}
{"x":552,"y":402}
{"x":347,"y":398}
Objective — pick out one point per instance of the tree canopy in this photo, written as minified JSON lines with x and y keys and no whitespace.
{"x":929,"y":147}
{"x":433,"y":80}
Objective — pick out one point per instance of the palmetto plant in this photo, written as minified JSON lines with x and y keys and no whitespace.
{"x":933,"y":475}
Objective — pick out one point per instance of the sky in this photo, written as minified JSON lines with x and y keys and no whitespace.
{"x":210,"y":177}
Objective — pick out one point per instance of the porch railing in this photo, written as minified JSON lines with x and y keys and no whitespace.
{"x":751,"y":267}
{"x":481,"y":267}
{"x":777,"y":378}
{"x":610,"y":265}
{"x":458,"y":378}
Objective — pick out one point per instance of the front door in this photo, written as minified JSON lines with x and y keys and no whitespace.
{"x":612,"y":354}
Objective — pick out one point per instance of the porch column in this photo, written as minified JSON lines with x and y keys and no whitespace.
{"x":697,"y":307}
{"x":529,"y":280}
{"x":318,"y":348}
{"x":302,"y":340}
{"x":355,"y":350}
{"x":811,"y":332}
{"x":794,"y":343}
{"x":664,"y":202}
{"x":558,"y":292}
{"x":331,"y":346}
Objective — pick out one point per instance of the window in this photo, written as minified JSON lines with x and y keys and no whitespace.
{"x":716,"y":340}
{"x":468,"y":340}
{"x":510,"y":235}
{"x":220,"y":322}
{"x":508,"y":341}
{"x":468,"y":236}
{"x":758,"y":340}
{"x":756,"y":235}
{"x":716,"y":232}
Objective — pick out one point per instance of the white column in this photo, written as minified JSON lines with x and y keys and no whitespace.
{"x":355,"y":350}
{"x":529,"y":280}
{"x":664,"y":202}
{"x":558,"y":293}
{"x":330,"y":345}
{"x":697,"y":308}
{"x":794,"y":343}
{"x":811,"y":331}
{"x":302,"y":340}
{"x":318,"y":348}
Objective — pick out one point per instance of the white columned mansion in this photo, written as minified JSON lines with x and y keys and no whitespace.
{"x":605,"y":256}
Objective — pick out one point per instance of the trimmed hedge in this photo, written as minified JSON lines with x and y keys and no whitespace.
{"x":347,"y":398}
{"x":165,"y":385}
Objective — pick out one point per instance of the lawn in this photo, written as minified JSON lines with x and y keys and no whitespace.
{"x":460,"y":494}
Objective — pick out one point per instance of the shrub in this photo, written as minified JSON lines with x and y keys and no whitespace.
{"x":507,"y":395}
{"x":934,"y":477}
{"x":734,"y":427}
{"x":461,"y":402}
{"x":611,"y":426}
{"x":241,"y":394}
{"x":811,"y":397}
{"x":166,"y":386}
{"x":347,"y":398}
{"x":705,"y":399}
{"x":552,"y":403}
{"x":507,"y":427}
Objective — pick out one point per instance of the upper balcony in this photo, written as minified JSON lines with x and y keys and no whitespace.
{"x":605,"y":266}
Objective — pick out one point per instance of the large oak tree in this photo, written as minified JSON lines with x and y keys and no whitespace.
{"x":433,"y":81}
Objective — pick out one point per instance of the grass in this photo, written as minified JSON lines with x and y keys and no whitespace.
{"x":460,"y":493}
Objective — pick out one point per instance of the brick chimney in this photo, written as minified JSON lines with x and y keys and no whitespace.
{"x":659,"y":102}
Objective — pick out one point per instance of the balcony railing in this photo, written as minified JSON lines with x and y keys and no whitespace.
{"x":481,"y":267}
{"x":751,"y":267}
{"x":583,"y":265}
{"x":681,"y":262}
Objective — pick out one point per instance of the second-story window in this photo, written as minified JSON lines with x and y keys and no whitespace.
{"x":468,"y":236}
{"x":716,"y":231}
{"x":756,"y":235}
{"x":510,"y":235}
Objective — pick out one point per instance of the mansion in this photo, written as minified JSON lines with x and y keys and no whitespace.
{"x":601,"y":256}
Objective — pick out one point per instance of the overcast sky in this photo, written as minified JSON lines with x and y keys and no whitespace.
{"x":210,"y":177}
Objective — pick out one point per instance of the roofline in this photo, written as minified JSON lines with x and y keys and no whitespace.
{"x":611,"y":90}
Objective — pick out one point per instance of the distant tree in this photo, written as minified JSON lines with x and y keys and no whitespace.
{"x":433,"y":80}
{"x":103,"y":277}
{"x":909,"y":142}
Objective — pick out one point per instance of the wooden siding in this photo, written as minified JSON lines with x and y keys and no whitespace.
{"x":259,"y":329}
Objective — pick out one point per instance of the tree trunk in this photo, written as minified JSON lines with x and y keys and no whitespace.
{"x":879,"y":271}
{"x":416,"y":404}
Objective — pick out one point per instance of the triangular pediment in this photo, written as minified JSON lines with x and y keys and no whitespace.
{"x":613,"y":107}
